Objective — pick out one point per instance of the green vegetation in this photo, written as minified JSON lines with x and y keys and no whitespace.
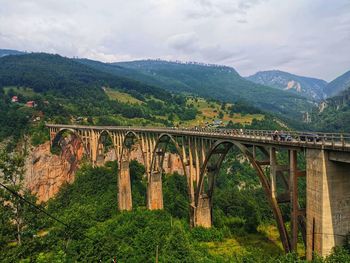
{"x":335,"y":116}
{"x":219,"y":82}
{"x":95,"y":230}
{"x":67,"y":92}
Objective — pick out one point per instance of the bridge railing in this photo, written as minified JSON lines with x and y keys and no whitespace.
{"x":334,"y":140}
{"x":330,"y":139}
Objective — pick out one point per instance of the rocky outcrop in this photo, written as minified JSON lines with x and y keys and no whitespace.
{"x":46,"y":172}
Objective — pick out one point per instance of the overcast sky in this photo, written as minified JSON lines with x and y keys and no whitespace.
{"x":306,"y":37}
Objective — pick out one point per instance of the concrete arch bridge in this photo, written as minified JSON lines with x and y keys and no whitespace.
{"x":323,"y":223}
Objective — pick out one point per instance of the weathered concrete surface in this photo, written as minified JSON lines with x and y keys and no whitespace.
{"x":155,"y":192}
{"x":328,"y":202}
{"x":202,"y":213}
{"x":124,"y":187}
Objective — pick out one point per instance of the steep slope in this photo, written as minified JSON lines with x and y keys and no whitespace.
{"x":7,"y":52}
{"x":311,"y":88}
{"x":65,"y":90}
{"x":337,"y":85}
{"x":219,"y":82}
{"x":334,"y":113}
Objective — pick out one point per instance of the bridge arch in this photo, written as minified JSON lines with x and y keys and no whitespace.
{"x":101,"y":140}
{"x":131,"y":139}
{"x":155,"y":193}
{"x":209,"y":171}
{"x":58,"y":136}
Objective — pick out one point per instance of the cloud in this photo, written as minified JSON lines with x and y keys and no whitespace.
{"x":303,"y":37}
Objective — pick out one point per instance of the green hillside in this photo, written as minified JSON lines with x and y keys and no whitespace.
{"x":336,"y":86}
{"x":64,"y":91}
{"x":219,"y":82}
{"x":335,"y":117}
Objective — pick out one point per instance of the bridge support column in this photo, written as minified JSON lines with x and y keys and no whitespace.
{"x":202,"y":213}
{"x":155,"y":192}
{"x":124,"y":187}
{"x":328,"y":202}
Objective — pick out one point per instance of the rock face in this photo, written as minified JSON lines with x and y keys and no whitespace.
{"x":309,"y":87}
{"x":46,"y":172}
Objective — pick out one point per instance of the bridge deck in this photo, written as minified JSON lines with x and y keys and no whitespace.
{"x":286,"y":139}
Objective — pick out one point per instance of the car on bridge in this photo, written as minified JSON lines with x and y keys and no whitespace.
{"x":309,"y":137}
{"x":284,"y":137}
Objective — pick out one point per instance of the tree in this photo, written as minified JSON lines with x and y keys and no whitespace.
{"x":15,"y":211}
{"x":177,"y":246}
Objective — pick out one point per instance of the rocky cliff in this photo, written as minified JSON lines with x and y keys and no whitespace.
{"x":47,"y":172}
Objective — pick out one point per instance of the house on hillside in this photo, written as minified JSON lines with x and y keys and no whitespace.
{"x":31,"y":104}
{"x":14,"y":99}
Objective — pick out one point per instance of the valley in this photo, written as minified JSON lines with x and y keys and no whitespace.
{"x":36,"y":89}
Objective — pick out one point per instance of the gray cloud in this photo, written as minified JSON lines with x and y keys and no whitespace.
{"x":303,"y":37}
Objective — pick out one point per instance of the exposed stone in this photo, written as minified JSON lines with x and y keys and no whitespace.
{"x":46,"y":172}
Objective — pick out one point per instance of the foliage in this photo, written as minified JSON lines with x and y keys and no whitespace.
{"x":95,"y":230}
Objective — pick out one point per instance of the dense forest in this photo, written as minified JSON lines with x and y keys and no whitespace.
{"x":82,"y":224}
{"x":64,"y":90}
{"x":85,"y":226}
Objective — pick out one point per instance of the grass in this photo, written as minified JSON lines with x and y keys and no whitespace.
{"x":27,"y":92}
{"x":209,"y":111}
{"x":266,"y":239}
{"x":121,"y":96}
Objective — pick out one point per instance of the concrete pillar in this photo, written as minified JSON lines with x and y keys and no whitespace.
{"x":328,"y":202}
{"x":273,"y":170}
{"x":293,"y":191}
{"x":202,"y":213}
{"x":124,"y":187}
{"x":155,"y":191}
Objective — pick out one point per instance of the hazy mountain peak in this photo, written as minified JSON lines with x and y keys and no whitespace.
{"x":312,"y":88}
{"x":338,"y":85}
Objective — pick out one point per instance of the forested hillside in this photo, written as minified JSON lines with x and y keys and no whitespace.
{"x":219,"y":82}
{"x":336,"y":86}
{"x":85,"y":225}
{"x":334,"y":114}
{"x":64,"y":90}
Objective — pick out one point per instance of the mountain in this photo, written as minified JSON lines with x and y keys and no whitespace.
{"x":64,"y":90}
{"x":311,"y":88}
{"x":7,"y":52}
{"x":334,"y":113}
{"x":337,"y":85}
{"x":218,"y":82}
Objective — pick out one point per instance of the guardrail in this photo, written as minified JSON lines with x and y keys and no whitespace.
{"x":332,"y":140}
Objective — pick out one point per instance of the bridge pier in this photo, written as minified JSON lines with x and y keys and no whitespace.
{"x":124,"y":187}
{"x":202,"y":213}
{"x":328,"y":202}
{"x":155,"y":191}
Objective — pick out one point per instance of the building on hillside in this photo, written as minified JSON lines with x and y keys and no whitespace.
{"x":31,"y":104}
{"x":217,"y":122}
{"x":14,"y":99}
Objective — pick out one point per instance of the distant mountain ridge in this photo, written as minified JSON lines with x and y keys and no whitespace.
{"x":336,"y":86}
{"x":311,"y":88}
{"x":218,"y":82}
{"x":7,"y":52}
{"x":209,"y":81}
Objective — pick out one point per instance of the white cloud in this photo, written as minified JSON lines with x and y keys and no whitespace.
{"x":301,"y":36}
